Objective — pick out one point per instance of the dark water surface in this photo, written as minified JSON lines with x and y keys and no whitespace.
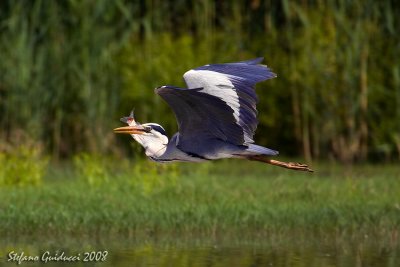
{"x":276,"y":250}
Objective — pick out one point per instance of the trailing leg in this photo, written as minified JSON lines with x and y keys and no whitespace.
{"x":287,"y":165}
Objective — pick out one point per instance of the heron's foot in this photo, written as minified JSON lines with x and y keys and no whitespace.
{"x":287,"y":165}
{"x":298,"y":166}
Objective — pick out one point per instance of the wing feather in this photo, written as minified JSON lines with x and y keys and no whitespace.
{"x":234,"y":84}
{"x":220,"y":102}
{"x":201,"y":116}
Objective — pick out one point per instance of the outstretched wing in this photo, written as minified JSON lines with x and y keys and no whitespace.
{"x":234,"y":84}
{"x":201,"y":116}
{"x":220,"y":102}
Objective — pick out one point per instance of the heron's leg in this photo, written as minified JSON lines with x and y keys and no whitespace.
{"x":287,"y":165}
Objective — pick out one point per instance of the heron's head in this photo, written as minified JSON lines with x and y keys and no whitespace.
{"x":151,"y":136}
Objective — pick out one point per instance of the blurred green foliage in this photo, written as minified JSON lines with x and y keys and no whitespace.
{"x":229,"y":199}
{"x":148,"y":178}
{"x":141,"y":176}
{"x":92,"y":167}
{"x":22,"y":166}
{"x":70,"y":69}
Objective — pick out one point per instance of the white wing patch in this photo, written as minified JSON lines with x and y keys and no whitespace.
{"x":216,"y":84}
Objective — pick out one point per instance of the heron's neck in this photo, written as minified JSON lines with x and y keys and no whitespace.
{"x":155,"y":146}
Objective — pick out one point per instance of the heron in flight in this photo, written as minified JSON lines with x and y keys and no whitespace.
{"x":216,"y":116}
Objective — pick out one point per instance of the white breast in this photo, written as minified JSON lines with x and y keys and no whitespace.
{"x":155,"y":145}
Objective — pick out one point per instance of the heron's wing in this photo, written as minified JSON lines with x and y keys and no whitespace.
{"x":220,"y":103}
{"x":233,"y":83}
{"x":201,"y":116}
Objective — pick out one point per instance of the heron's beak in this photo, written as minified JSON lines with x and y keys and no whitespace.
{"x":137,"y":129}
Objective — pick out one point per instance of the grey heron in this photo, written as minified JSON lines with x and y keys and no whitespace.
{"x":216,"y":116}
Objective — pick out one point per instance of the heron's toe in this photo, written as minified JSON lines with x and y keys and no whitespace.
{"x":296,"y":164}
{"x":300,"y":166}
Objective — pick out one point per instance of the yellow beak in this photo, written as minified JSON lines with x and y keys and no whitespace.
{"x":138,"y":129}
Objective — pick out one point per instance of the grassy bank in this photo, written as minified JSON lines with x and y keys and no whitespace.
{"x":228,"y":196}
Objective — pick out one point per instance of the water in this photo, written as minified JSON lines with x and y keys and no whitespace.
{"x":234,"y":251}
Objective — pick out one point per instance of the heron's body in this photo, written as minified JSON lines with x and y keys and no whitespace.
{"x":216,"y":115}
{"x":210,"y":150}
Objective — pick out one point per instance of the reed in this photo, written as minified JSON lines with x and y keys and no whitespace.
{"x":69,"y":70}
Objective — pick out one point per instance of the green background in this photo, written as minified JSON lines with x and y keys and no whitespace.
{"x":70,"y":69}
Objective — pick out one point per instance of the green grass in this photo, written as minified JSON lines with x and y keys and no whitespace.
{"x":217,"y":198}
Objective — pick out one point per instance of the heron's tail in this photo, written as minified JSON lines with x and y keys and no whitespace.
{"x":260,"y":150}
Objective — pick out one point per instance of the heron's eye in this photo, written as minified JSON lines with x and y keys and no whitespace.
{"x":156,"y":128}
{"x":147,"y":128}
